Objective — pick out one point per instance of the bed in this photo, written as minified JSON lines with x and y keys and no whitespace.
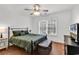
{"x":28,"y":41}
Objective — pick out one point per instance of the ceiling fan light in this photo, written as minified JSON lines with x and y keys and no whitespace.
{"x":36,"y":13}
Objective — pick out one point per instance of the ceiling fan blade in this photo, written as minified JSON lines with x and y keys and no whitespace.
{"x":45,"y":10}
{"x":27,"y":9}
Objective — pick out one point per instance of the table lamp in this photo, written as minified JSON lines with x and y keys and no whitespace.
{"x":2,"y":30}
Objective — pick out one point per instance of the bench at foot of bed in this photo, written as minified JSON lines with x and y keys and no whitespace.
{"x":44,"y":47}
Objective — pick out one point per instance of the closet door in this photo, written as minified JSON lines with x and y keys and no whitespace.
{"x":43,"y":27}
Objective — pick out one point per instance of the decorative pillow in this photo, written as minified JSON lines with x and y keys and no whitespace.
{"x":26,"y":32}
{"x":16,"y":33}
{"x":22,"y":33}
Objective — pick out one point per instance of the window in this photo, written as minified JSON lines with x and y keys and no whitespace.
{"x":48,"y":27}
{"x":52,"y":27}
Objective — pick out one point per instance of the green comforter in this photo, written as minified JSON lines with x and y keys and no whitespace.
{"x":25,"y":41}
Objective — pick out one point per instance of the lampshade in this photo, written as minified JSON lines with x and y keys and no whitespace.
{"x":2,"y":29}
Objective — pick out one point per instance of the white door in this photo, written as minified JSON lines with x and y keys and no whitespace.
{"x":43,"y":27}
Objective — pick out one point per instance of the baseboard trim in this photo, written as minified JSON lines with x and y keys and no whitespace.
{"x":2,"y":49}
{"x":58,"y":42}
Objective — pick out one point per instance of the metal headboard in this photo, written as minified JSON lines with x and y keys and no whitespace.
{"x":11,"y":28}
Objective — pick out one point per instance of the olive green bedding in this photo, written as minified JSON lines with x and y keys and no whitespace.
{"x":25,"y":41}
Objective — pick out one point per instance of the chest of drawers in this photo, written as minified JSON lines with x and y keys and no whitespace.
{"x":3,"y":43}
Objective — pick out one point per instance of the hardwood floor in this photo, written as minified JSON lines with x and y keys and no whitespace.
{"x":57,"y":49}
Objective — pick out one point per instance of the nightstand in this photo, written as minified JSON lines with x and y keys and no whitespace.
{"x":3,"y":43}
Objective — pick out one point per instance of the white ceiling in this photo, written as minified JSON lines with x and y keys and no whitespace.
{"x":19,"y":8}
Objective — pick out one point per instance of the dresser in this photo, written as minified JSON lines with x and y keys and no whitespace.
{"x":70,"y":46}
{"x":3,"y":43}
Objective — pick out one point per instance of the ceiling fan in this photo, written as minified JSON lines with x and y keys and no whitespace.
{"x":36,"y":10}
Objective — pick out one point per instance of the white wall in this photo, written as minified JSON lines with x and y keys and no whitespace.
{"x":75,"y":14}
{"x":63,"y":22}
{"x":9,"y":16}
{"x":12,"y":17}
